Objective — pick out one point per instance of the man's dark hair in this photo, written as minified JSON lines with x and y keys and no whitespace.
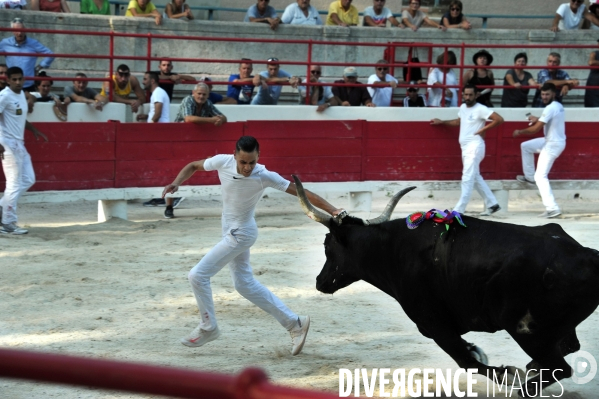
{"x":470,"y":86}
{"x":549,"y":86}
{"x":3,"y":65}
{"x":13,"y":71}
{"x":80,"y":75}
{"x":153,"y":76}
{"x":123,"y":68}
{"x":247,"y":144}
{"x":43,"y":74}
{"x":451,"y":58}
{"x":521,"y":55}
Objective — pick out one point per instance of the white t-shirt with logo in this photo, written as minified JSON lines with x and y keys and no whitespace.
{"x":381,"y":96}
{"x":241,"y":194}
{"x":160,"y":96}
{"x":294,"y":15}
{"x":13,"y":114}
{"x":554,"y":119}
{"x":379,"y":19}
{"x":472,"y":119}
{"x":569,"y":19}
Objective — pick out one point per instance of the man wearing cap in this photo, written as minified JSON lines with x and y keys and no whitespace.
{"x":320,"y":95}
{"x":352,"y":95}
{"x":342,"y":13}
{"x":268,"y":94}
{"x":384,"y":83}
{"x":413,"y":99}
{"x":558,"y":77}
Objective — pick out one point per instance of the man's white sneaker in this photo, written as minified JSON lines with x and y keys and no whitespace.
{"x":550,"y":214}
{"x":12,"y":228}
{"x":299,"y":333}
{"x":490,"y":211}
{"x":199,"y":337}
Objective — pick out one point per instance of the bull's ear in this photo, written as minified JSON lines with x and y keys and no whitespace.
{"x":549,"y":278}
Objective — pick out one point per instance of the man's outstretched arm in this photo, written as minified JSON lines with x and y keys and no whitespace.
{"x":315,"y":200}
{"x":187,"y":171}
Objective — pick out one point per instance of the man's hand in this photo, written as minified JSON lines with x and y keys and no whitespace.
{"x":39,"y":134}
{"x":158,"y":19}
{"x":273,"y":22}
{"x":218,"y":120}
{"x":142,"y":118}
{"x":170,"y":189}
{"x":323,"y":107}
{"x":135,"y":106}
{"x":294,"y":81}
{"x":554,"y":28}
{"x":99,"y":105}
{"x":346,"y":104}
{"x":1,"y":151}
{"x":565,"y":89}
{"x":516,"y":133}
{"x":436,"y":121}
{"x":371,"y":105}
{"x":393,"y":84}
{"x":481,"y":133}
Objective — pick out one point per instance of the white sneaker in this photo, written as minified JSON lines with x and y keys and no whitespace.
{"x":490,"y":211}
{"x":299,"y":333}
{"x":199,"y":337}
{"x":12,"y":228}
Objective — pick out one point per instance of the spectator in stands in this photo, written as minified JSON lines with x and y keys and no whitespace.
{"x":377,"y":15}
{"x":436,"y":77}
{"x":44,"y":95}
{"x":262,"y":12}
{"x":454,"y":18}
{"x":123,"y":84}
{"x":517,"y":77}
{"x":383,"y":91}
{"x":413,"y":98}
{"x":413,"y":18}
{"x":20,"y":43}
{"x":320,"y":95}
{"x":216,"y":98}
{"x":80,"y":93}
{"x":3,"y":77}
{"x":13,"y":4}
{"x":50,"y":5}
{"x":342,"y":13}
{"x":568,"y":16}
{"x":353,"y":96}
{"x":268,"y":94}
{"x":160,"y":104}
{"x":166,"y":73}
{"x":95,"y":7}
{"x":558,"y":77}
{"x":197,"y":108}
{"x":591,"y":96}
{"x":242,"y":90}
{"x":591,"y":19}
{"x":301,"y":13}
{"x":177,"y":9}
{"x":481,"y":76}
{"x":144,"y":9}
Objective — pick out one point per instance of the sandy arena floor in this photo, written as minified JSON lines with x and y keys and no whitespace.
{"x":119,"y":290}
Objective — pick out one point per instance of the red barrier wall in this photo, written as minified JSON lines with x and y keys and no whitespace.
{"x":102,"y":155}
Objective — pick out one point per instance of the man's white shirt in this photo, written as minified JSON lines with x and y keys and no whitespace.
{"x":160,"y":96}
{"x":13,"y":114}
{"x":554,"y":119}
{"x":294,"y":15}
{"x":472,"y":119}
{"x":381,"y":96}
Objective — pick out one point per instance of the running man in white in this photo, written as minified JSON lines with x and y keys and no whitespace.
{"x":472,"y":117}
{"x":243,"y":182}
{"x":553,"y":123}
{"x":16,"y":161}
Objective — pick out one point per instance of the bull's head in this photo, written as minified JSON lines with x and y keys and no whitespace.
{"x":342,"y":266}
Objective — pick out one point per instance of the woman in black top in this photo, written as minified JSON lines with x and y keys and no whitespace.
{"x":454,"y":17}
{"x":517,"y":77}
{"x":481,"y":76}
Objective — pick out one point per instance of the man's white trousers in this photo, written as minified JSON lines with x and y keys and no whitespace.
{"x":472,"y":156}
{"x":548,"y":152}
{"x":19,"y":174}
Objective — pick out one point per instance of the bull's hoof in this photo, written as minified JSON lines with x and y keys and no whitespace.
{"x":478,"y":354}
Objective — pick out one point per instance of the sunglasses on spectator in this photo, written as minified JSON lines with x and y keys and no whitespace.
{"x":382,"y":69}
{"x":123,"y":74}
{"x":17,"y":21}
{"x":315,"y":72}
{"x":273,"y":59}
{"x":456,"y":9}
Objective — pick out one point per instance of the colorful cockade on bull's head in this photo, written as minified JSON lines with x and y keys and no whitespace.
{"x":446,"y":217}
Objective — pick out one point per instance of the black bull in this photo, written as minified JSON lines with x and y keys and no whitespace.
{"x":536,"y":283}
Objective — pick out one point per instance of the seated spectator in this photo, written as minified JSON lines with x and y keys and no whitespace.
{"x":216,"y":98}
{"x":80,"y":93}
{"x":177,"y":9}
{"x":413,"y":98}
{"x":413,"y":18}
{"x":144,"y":9}
{"x":166,"y":73}
{"x":320,"y":95}
{"x":383,"y":91}
{"x":558,"y":77}
{"x":481,"y":76}
{"x":301,"y":13}
{"x":13,"y":4}
{"x":568,"y":16}
{"x":3,"y":76}
{"x":44,"y":95}
{"x":268,"y":94}
{"x":262,"y":12}
{"x":591,"y":96}
{"x":123,"y":84}
{"x":241,"y":89}
{"x":196,"y":108}
{"x":50,"y":5}
{"x":377,"y":16}
{"x":95,"y":7}
{"x":591,"y":19}
{"x":342,"y":13}
{"x":454,"y":18}
{"x":436,"y":77}
{"x":353,"y":96}
{"x":517,"y":77}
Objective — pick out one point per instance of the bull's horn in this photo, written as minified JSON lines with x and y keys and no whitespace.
{"x":390,"y":207}
{"x":308,"y":208}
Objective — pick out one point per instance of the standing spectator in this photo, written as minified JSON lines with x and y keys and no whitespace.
{"x":16,"y":162}
{"x":591,"y":96}
{"x":50,"y":5}
{"x":454,"y":18}
{"x":436,"y":77}
{"x":80,"y":93}
{"x":377,"y":15}
{"x":383,"y":91}
{"x":301,"y":13}
{"x":413,"y":99}
{"x":517,"y":77}
{"x":123,"y":84}
{"x":558,"y":77}
{"x":413,"y":18}
{"x":177,"y":9}
{"x":95,"y":7}
{"x":342,"y":13}
{"x":44,"y":95}
{"x":568,"y":16}
{"x":262,"y":12}
{"x":269,"y":94}
{"x":166,"y":73}
{"x":481,"y":76}
{"x":216,"y":98}
{"x":160,"y":104}
{"x":242,"y":90}
{"x":320,"y":95}
{"x":353,"y":96}
{"x":20,"y":43}
{"x":3,"y":77}
{"x":196,"y":108}
{"x":144,"y":9}
{"x":472,"y":117}
{"x":13,"y":4}
{"x":549,"y":148}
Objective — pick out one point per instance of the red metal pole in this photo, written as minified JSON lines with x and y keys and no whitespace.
{"x":308,"y":73}
{"x":111,"y":64}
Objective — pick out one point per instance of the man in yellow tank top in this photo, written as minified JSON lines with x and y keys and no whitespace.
{"x":122,"y":85}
